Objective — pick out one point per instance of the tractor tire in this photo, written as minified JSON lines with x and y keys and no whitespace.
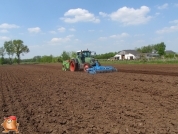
{"x":73,"y":66}
{"x":85,"y":67}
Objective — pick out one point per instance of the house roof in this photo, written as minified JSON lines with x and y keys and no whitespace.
{"x":169,"y":52}
{"x":134,"y":52}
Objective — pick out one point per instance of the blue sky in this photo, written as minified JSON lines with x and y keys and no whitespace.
{"x":52,"y":26}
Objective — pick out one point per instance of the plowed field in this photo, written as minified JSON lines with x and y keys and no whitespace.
{"x":138,"y":99}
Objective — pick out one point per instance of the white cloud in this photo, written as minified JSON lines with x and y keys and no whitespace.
{"x":176,"y":5}
{"x":8,"y":26}
{"x":130,"y":16}
{"x":79,"y":15}
{"x":138,"y":35}
{"x":102,"y":38}
{"x":4,"y":38}
{"x":123,"y":35}
{"x":72,"y":29}
{"x":174,"y":21}
{"x":116,"y":36}
{"x":34,"y":30}
{"x":168,"y":29}
{"x":61,"y":29}
{"x":52,"y":32}
{"x":164,"y":6}
{"x":103,"y":14}
{"x":70,"y":36}
{"x":157,"y":14}
{"x":4,"y":31}
{"x":61,"y":40}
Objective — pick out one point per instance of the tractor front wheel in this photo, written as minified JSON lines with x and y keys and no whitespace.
{"x":85,"y":67}
{"x":73,"y":66}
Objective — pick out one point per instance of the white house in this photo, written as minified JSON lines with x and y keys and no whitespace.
{"x":127,"y":55}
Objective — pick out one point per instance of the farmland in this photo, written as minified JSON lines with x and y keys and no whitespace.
{"x":136,"y":99}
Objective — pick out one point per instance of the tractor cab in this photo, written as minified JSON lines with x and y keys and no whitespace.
{"x":85,"y":55}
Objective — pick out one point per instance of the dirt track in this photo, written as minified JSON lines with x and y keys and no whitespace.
{"x":137,"y":99}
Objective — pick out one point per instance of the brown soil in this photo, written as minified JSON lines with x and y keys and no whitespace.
{"x":46,"y":100}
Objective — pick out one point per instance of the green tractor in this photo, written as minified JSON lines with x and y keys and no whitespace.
{"x":83,"y":61}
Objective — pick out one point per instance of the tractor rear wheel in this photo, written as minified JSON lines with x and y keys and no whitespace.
{"x":85,"y":67}
{"x":73,"y":66}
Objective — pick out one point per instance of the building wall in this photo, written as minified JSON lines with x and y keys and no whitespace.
{"x":126,"y":56}
{"x":129,"y":56}
{"x":117,"y":56}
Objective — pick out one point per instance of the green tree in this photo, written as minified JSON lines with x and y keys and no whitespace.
{"x":160,"y":48}
{"x":56,"y":59}
{"x":72,"y":54}
{"x":20,"y":48}
{"x":2,"y":53}
{"x":9,"y":47}
{"x":145,"y":49}
{"x":59,"y":59}
{"x":15,"y":60}
{"x":36,"y":59}
{"x":65,"y":55}
{"x":106,"y":55}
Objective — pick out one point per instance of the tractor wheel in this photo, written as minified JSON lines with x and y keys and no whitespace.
{"x":73,"y":66}
{"x":85,"y":67}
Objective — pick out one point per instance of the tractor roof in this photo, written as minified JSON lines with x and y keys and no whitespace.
{"x":82,"y":50}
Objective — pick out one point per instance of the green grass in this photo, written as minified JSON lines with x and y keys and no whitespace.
{"x":29,"y":63}
{"x":157,"y":61}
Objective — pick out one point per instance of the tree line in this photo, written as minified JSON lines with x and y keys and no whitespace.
{"x":16,"y":47}
{"x":64,"y":56}
{"x":51,"y":59}
{"x":159,"y":48}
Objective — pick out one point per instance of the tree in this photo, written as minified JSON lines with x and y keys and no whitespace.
{"x":72,"y":54}
{"x":160,"y":48}
{"x":15,"y":60}
{"x":145,"y":49}
{"x":8,"y":45}
{"x":19,"y":48}
{"x":2,"y":53}
{"x":36,"y":58}
{"x":106,"y":55}
{"x":65,"y":56}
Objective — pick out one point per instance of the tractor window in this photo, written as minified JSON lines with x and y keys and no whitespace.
{"x":87,"y":53}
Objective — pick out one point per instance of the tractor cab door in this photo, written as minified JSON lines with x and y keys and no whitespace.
{"x":81,"y":57}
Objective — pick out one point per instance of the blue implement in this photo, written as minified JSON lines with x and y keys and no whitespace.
{"x":100,"y":69}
